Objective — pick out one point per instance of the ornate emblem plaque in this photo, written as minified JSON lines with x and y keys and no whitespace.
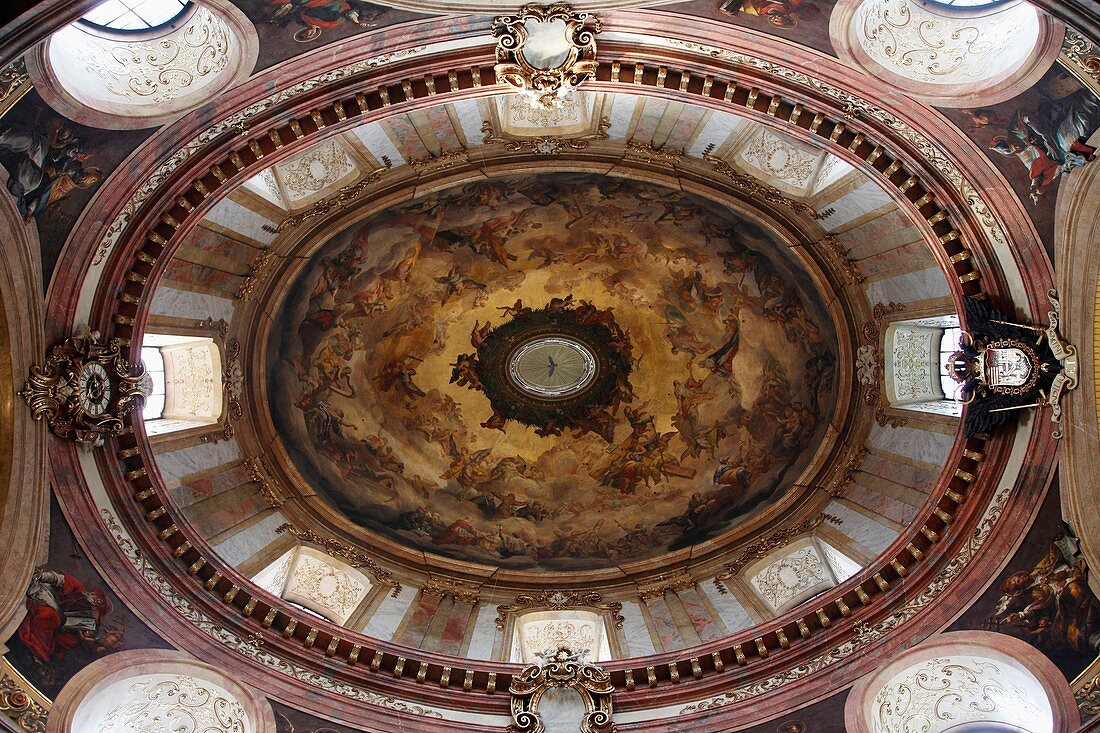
{"x":85,"y":388}
{"x":546,"y":52}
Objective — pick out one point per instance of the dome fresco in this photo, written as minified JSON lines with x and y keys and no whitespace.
{"x":732,"y":376}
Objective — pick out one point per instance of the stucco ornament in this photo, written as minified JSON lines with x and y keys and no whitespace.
{"x":86,"y":388}
{"x":541,"y":702}
{"x":177,"y":703}
{"x":546,"y":52}
{"x":867,"y":365}
{"x":947,"y":691}
{"x":159,"y":69}
{"x":790,"y":576}
{"x":915,"y":42}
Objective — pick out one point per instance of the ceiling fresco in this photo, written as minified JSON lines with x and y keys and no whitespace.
{"x":568,"y":394}
{"x":731,"y":372}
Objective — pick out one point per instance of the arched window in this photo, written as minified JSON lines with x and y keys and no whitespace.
{"x":186,"y":373}
{"x":916,"y":377}
{"x":539,"y":634}
{"x":317,"y":583}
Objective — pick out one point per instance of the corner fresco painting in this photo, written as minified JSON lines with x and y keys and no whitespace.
{"x":51,"y":168}
{"x":1037,"y":139}
{"x":288,"y":28}
{"x":731,"y":377}
{"x":72,"y":618}
{"x":44,"y":166}
{"x":313,"y":18}
{"x":1043,"y":596}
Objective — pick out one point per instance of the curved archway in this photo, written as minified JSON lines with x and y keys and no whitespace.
{"x":964,"y":679}
{"x":146,"y":689}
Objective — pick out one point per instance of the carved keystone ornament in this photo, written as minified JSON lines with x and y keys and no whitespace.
{"x":545,"y":52}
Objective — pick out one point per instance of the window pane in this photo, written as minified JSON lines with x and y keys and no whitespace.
{"x":154,"y":407}
{"x":106,"y":13}
{"x":948,"y":345}
{"x":163,"y":339}
{"x":153,"y":360}
{"x":134,"y":15}
{"x":158,"y":12}
{"x":158,"y":382}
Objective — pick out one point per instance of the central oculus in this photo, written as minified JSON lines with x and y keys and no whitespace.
{"x":552,"y":367}
{"x":564,"y":366}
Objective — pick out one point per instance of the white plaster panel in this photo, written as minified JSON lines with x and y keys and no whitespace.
{"x":485,"y":633}
{"x":719,"y":127}
{"x":245,"y":544}
{"x":387,"y":617}
{"x":177,"y":464}
{"x":912,"y":374}
{"x":326,"y":585}
{"x":941,"y":694}
{"x":469,"y":119}
{"x":273,"y":577}
{"x":831,"y":170}
{"x":781,"y":161}
{"x":841,"y":566}
{"x":924,"y":44}
{"x":230,"y":215}
{"x":909,"y":287}
{"x":920,"y":445}
{"x":732,"y":613}
{"x":188,"y":304}
{"x":622,"y":109}
{"x":638,"y":641}
{"x":375,"y":139}
{"x":861,"y":528}
{"x":855,"y":204}
{"x":792,"y":576}
{"x":152,"y":703}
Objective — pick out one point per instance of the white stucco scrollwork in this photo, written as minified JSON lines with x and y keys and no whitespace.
{"x":157,"y":69}
{"x":944,"y":55}
{"x":959,"y":689}
{"x":963,"y":678}
{"x":171,"y":702}
{"x":155,"y":690}
{"x":789,"y":575}
{"x":134,"y":80}
{"x":916,"y":42}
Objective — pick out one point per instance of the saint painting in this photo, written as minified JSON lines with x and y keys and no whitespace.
{"x":44,"y":167}
{"x":316,"y":16}
{"x":1051,"y":140}
{"x":63,"y":615}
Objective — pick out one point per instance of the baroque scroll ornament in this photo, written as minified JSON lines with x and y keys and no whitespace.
{"x":543,"y":67}
{"x":562,"y":669}
{"x":559,"y":600}
{"x":86,"y":388}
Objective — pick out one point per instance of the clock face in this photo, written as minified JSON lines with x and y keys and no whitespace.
{"x":552,"y":367}
{"x":95,"y":389}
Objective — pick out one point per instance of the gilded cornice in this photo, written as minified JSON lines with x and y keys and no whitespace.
{"x":557,"y":600}
{"x":354,"y":557}
{"x":20,"y":702}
